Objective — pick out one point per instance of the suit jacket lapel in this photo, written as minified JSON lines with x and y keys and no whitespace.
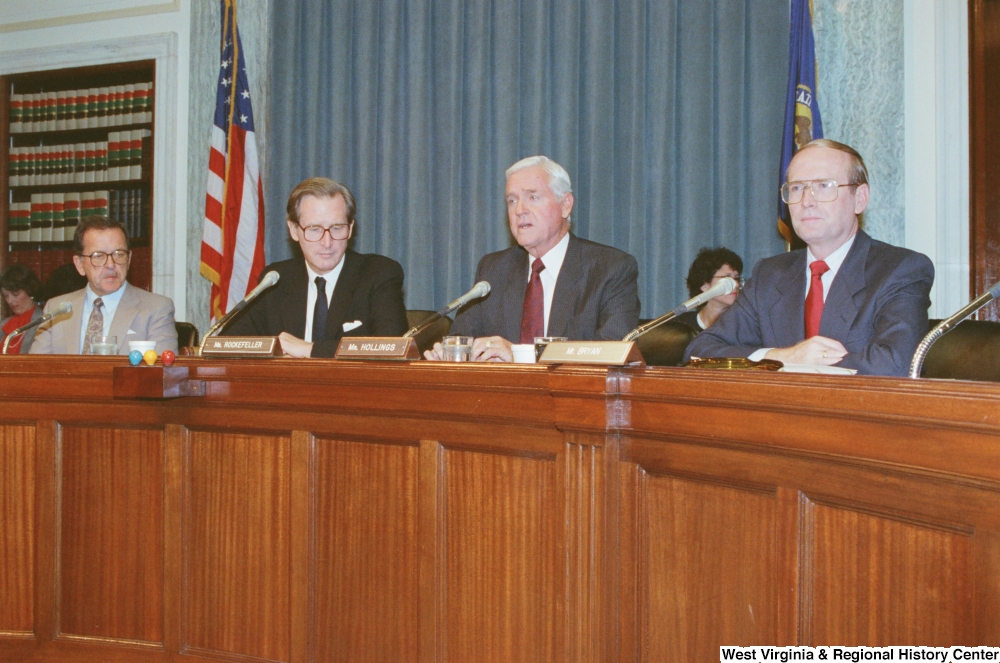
{"x":66,"y":334}
{"x":512,"y":306}
{"x":347,"y":282}
{"x":294,"y":297}
{"x":568,"y":287}
{"x":839,"y":310}
{"x":128,"y":306}
{"x":787,"y":313}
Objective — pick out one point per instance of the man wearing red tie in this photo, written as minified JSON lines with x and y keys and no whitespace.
{"x":846,"y":299}
{"x":553,"y":283}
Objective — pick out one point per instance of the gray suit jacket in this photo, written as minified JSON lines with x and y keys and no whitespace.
{"x":29,"y":335}
{"x":596,"y":297}
{"x":876,"y":306}
{"x":149,"y":317}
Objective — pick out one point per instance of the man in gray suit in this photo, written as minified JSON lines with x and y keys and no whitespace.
{"x":845,"y":300}
{"x":553,"y":283}
{"x":108,"y":306}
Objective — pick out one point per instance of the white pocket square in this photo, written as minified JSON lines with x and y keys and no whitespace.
{"x":129,"y":332}
{"x":348,"y":326}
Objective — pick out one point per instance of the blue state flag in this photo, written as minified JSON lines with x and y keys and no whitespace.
{"x":802,"y":118}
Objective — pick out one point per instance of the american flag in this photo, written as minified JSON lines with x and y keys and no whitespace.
{"x":232,"y":246}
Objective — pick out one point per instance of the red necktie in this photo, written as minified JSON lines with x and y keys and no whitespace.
{"x":814,"y":300}
{"x":533,"y":315}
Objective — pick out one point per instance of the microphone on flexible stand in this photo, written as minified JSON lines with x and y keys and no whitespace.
{"x":481,"y":289}
{"x":947,"y":325}
{"x":726,"y":285}
{"x":269,"y":280}
{"x":63,"y":309}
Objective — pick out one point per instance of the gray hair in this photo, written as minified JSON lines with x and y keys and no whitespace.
{"x":558,"y":177}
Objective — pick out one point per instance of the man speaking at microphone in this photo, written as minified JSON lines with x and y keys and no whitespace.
{"x":553,"y":283}
{"x":109,"y":305}
{"x":331,"y":292}
{"x":846,"y":300}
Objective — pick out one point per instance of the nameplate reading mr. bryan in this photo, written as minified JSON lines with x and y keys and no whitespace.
{"x":377,"y":347}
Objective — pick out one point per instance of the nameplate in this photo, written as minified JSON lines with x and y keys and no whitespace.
{"x":603,"y":353}
{"x":242,"y":346}
{"x":377,"y":347}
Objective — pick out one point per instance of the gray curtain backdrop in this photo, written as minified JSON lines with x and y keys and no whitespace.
{"x":666,"y":113}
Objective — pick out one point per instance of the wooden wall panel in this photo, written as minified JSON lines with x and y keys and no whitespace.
{"x":878,"y":581}
{"x":110,"y":550}
{"x":366,"y":563}
{"x":711,"y":563}
{"x":17,"y":537}
{"x":505,"y":565}
{"x":236,"y":531}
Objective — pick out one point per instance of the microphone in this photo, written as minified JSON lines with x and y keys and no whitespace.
{"x":726,"y":285}
{"x":269,"y":280}
{"x":63,"y":309}
{"x":947,"y":325}
{"x":481,"y":289}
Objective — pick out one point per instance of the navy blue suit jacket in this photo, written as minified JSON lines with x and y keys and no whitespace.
{"x":876,"y":306}
{"x":596,"y":297}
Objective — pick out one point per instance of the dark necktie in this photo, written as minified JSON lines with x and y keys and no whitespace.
{"x":95,"y":326}
{"x":814,"y":300}
{"x":533,"y":315}
{"x":320,"y":310}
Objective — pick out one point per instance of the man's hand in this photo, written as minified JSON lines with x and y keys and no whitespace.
{"x":818,"y":350}
{"x":492,"y":348}
{"x":294,"y":346}
{"x":434,"y":354}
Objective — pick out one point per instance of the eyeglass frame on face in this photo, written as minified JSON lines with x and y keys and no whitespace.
{"x":740,"y":281}
{"x":307,"y":229}
{"x":97,"y":260}
{"x":786,"y":191}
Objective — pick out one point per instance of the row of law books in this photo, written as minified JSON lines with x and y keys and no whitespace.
{"x":45,"y":261}
{"x":81,"y":109}
{"x":53,"y":217}
{"x":117,"y":158}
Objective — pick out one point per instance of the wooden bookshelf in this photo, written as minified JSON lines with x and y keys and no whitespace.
{"x":49,"y":176}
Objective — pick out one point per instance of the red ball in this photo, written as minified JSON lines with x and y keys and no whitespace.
{"x":168,"y":357}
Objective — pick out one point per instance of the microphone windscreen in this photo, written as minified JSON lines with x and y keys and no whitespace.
{"x":63,"y":309}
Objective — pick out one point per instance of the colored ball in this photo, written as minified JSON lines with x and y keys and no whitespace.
{"x":168,"y":357}
{"x":149,"y":357}
{"x":135,"y":357}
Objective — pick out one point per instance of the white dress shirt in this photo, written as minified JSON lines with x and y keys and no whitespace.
{"x":833,"y":261}
{"x":108,"y":308}
{"x":553,"y":261}
{"x":331,"y":283}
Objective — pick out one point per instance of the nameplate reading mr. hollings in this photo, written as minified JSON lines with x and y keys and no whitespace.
{"x":377,"y":347}
{"x":242,"y":346}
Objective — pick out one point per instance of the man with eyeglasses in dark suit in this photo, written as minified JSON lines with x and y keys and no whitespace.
{"x":332,"y":291}
{"x":846,"y":300}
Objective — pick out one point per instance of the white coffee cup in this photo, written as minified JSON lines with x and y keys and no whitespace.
{"x":524,"y":353}
{"x":141,"y":346}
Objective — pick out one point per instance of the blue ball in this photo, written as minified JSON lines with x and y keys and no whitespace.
{"x":135,"y":357}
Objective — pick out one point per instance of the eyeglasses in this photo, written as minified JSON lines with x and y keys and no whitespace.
{"x":100,"y":259}
{"x":739,"y":279}
{"x":337,"y":231}
{"x":824,"y":191}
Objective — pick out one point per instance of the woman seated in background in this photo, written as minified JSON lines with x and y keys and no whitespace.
{"x":708,"y":267}
{"x":19,"y":286}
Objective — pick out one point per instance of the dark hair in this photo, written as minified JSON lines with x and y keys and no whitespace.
{"x":707,"y":263}
{"x":319,"y":187}
{"x":96,"y":223}
{"x":20,"y":277}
